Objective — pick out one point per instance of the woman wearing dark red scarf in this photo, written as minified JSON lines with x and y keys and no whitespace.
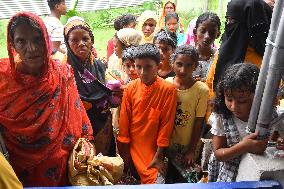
{"x":41,"y":114}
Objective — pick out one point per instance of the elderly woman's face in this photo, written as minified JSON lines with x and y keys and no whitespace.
{"x":29,"y":44}
{"x":149,"y":27}
{"x":80,"y":43}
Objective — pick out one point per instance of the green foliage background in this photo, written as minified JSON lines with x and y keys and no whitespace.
{"x":101,"y":21}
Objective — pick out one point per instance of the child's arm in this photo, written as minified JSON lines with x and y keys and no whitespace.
{"x":167,"y":118}
{"x":248,"y":144}
{"x":123,"y":138}
{"x":165,"y":130}
{"x":197,"y":127}
{"x":123,"y":150}
{"x":189,"y":155}
{"x":158,"y":161}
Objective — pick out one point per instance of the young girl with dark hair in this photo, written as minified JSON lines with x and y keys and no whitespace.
{"x":192,"y":99}
{"x":172,"y":25}
{"x":166,"y":43}
{"x":207,"y":29}
{"x":234,"y":97}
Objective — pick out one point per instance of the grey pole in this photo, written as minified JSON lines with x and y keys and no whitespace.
{"x":276,"y":68}
{"x":277,"y":12}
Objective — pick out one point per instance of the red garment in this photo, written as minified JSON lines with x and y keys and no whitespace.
{"x":41,"y":117}
{"x":110,"y":48}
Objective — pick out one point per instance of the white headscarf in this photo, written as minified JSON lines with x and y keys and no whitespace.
{"x":129,"y":36}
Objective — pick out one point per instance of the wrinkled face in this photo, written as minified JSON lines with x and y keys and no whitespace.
{"x":206,"y":33}
{"x":62,"y":8}
{"x":184,"y":66}
{"x":147,"y":70}
{"x":117,"y":47}
{"x":149,"y":27}
{"x":129,"y":68}
{"x":29,"y":44}
{"x":239,"y":103}
{"x":172,"y":25}
{"x":165,"y":51}
{"x":169,"y":8}
{"x":80,"y":43}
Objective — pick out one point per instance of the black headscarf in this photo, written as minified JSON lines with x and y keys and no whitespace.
{"x":251,"y":27}
{"x":89,"y":76}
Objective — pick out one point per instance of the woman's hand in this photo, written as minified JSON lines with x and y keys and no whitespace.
{"x":159,"y":164}
{"x":252,"y":145}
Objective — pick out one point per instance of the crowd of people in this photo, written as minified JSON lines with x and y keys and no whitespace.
{"x":159,"y":93}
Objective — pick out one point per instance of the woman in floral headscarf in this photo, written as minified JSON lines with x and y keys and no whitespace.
{"x":90,"y":79}
{"x":41,"y":114}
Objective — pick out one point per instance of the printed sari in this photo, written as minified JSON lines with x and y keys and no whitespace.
{"x":41,"y":117}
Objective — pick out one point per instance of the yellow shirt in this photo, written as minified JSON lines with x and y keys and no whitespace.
{"x":8,"y":178}
{"x":191,"y":103}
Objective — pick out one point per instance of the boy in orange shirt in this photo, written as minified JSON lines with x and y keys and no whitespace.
{"x":146,"y":117}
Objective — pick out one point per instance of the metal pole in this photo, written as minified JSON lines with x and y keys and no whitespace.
{"x":276,"y":68}
{"x":278,"y":9}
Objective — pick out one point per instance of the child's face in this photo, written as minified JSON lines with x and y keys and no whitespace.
{"x":172,"y":25}
{"x":239,"y":103}
{"x":129,"y":68}
{"x":184,"y":66}
{"x":206,"y":33}
{"x":117,"y":47}
{"x":165,"y":51}
{"x":149,"y":27}
{"x":147,"y":70}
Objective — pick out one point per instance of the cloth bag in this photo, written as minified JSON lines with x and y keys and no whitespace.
{"x":87,"y":169}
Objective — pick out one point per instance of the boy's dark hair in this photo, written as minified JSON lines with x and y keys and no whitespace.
{"x":123,"y":21}
{"x":147,"y":50}
{"x":171,"y":15}
{"x":128,"y":53}
{"x":188,"y":50}
{"x":242,"y":76}
{"x":53,"y":3}
{"x":166,"y":37}
{"x":213,"y":17}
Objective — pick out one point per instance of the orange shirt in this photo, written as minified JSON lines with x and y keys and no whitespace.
{"x":146,"y":122}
